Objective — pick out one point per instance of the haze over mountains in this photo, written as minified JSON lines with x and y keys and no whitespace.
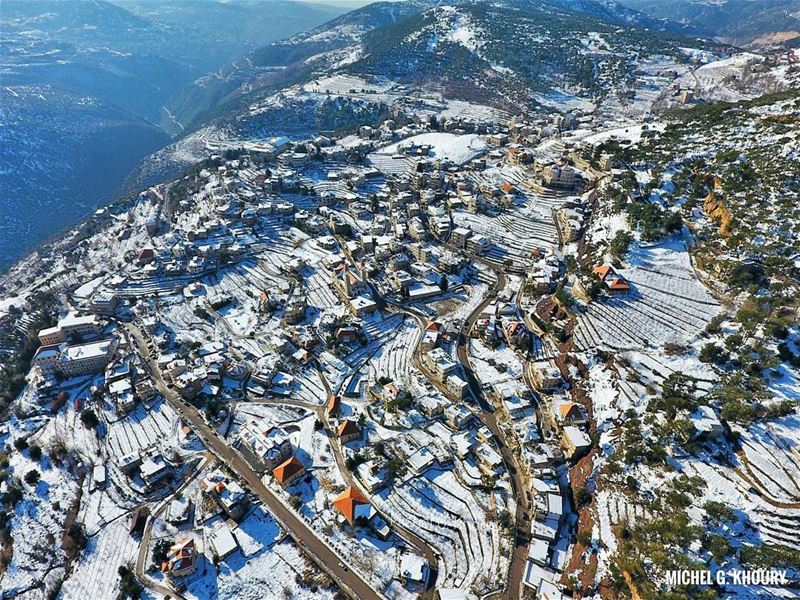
{"x":739,"y":22}
{"x":517,"y":56}
{"x":84,"y":85}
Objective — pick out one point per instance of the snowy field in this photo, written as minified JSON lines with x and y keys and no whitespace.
{"x":458,"y":149}
{"x":448,"y":517}
{"x":666,"y":304}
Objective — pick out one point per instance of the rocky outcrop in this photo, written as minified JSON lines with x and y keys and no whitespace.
{"x":715,"y":208}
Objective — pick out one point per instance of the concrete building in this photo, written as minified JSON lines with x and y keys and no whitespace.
{"x":267,"y":447}
{"x":71,"y":326}
{"x":459,"y":236}
{"x":73,"y":361}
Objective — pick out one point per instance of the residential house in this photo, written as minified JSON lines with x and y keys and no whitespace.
{"x":181,"y":559}
{"x":516,"y":334}
{"x":574,"y":441}
{"x":153,"y":470}
{"x":547,"y":378}
{"x":333,"y":408}
{"x":288,"y":472}
{"x":489,"y":460}
{"x":373,"y":475}
{"x":458,"y":237}
{"x":478,"y":244}
{"x":354,"y":507}
{"x":567,"y":412}
{"x":222,"y":542}
{"x":267,"y":447}
{"x":457,"y":416}
{"x":439,"y":363}
{"x":348,"y":431}
{"x":611,"y":280}
{"x":226,"y":492}
{"x":414,"y":570}
{"x":430,"y":337}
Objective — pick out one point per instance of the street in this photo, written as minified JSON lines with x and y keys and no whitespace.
{"x":313,"y":546}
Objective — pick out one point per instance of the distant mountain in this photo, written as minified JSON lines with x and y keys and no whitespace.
{"x":499,"y":52}
{"x":84,"y":86}
{"x":513,"y":56}
{"x":739,"y":22}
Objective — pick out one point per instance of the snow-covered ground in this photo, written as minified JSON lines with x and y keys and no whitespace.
{"x":445,"y":146}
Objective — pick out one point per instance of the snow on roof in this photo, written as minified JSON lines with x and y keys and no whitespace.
{"x":85,"y":351}
{"x":555,"y":505}
{"x":222,"y":541}
{"x":99,"y":474}
{"x":413,"y":567}
{"x":73,"y":320}
{"x":452,"y":594}
{"x":420,"y":460}
{"x":547,"y":530}
{"x":577,"y":437}
{"x":535,"y":575}
{"x":538,"y":550}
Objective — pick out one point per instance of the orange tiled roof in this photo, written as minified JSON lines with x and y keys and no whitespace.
{"x":334,"y":402}
{"x":286,"y":470}
{"x":347,"y":428}
{"x":347,"y":501}
{"x":566,"y":408}
{"x":603,"y":271}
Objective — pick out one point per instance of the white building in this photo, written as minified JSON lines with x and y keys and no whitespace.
{"x":70,"y":326}
{"x":72,"y":361}
{"x":269,"y":446}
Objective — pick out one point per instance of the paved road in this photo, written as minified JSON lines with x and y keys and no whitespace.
{"x":314,"y":547}
{"x":418,"y":543}
{"x":488,"y":418}
{"x":144,"y":545}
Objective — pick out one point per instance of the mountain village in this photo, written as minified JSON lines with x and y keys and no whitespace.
{"x":371,"y":364}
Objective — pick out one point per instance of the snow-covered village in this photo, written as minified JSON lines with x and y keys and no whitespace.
{"x":454,"y":353}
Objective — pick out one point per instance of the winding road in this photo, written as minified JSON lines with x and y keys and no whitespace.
{"x":488,"y":418}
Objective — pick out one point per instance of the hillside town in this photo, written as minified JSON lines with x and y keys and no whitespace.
{"x":374,"y":363}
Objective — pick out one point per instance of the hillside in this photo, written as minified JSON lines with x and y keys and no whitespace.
{"x":718,"y":181}
{"x":282,"y":63}
{"x":516,"y":56}
{"x":510,"y":49}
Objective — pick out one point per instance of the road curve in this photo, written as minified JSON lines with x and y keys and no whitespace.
{"x":487,"y":417}
{"x":418,"y":543}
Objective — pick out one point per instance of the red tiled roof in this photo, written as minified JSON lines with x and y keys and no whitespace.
{"x":618,"y":284}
